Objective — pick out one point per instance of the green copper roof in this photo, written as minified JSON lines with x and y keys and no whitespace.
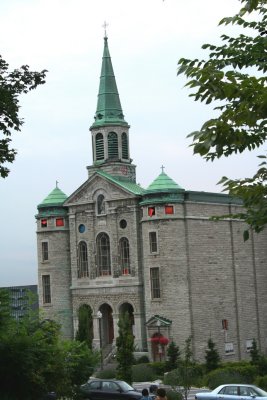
{"x":127,"y":185}
{"x":108,"y":110}
{"x":163,"y":183}
{"x":55,"y":198}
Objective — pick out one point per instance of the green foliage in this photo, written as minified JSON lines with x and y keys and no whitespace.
{"x":173,"y":395}
{"x":173,"y":355}
{"x":187,"y":374}
{"x":159,"y":367}
{"x":143,"y":373}
{"x":261,"y":381}
{"x":125,"y":349}
{"x":254,"y":353}
{"x":212,"y":356}
{"x":243,"y":373}
{"x":13,"y":83}
{"x":35,"y":358}
{"x":106,"y":374}
{"x":142,"y":360}
{"x":241,"y":104}
{"x":85,"y":325}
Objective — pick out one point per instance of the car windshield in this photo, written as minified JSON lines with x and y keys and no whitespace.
{"x":260,"y":392}
{"x":125,"y":387}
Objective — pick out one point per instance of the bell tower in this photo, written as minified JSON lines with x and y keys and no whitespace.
{"x":110,"y":131}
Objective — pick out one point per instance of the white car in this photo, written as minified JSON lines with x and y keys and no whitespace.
{"x":233,"y":392}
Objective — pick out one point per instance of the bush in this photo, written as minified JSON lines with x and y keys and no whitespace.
{"x":261,"y":381}
{"x":106,"y":374}
{"x":143,"y":372}
{"x":236,"y":373}
{"x":158,"y":367}
{"x":173,"y":395}
{"x":174,"y":377}
{"x":142,"y":360}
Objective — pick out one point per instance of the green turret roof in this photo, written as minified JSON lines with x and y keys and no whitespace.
{"x":163,"y":183}
{"x":108,"y":110}
{"x":55,"y":198}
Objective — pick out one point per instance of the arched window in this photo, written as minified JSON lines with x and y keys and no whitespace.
{"x":101,"y":204}
{"x":124,"y":256}
{"x":82,"y":260}
{"x":124,"y":145}
{"x":113,"y":150}
{"x":103,"y":254}
{"x":99,"y":146}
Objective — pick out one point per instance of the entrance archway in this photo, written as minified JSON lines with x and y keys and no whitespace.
{"x":107,"y":328}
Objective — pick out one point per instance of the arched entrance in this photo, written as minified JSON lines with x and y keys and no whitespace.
{"x":107,"y":328}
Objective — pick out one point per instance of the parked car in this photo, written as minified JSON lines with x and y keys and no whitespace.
{"x":108,"y":389}
{"x":233,"y":392}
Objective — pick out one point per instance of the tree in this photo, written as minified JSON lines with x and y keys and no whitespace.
{"x":34,"y":356}
{"x":85,"y":327}
{"x":173,"y":354}
{"x":234,"y":78}
{"x":212,"y":356}
{"x":12,"y":84}
{"x":254,"y":353}
{"x":125,"y":348}
{"x":187,"y":373}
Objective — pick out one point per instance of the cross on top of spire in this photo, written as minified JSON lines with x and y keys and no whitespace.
{"x":105,"y":28}
{"x":162,"y":169}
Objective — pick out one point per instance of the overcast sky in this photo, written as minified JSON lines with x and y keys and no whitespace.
{"x":146,"y":39}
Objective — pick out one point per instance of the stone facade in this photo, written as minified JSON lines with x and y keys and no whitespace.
{"x":155,"y":253}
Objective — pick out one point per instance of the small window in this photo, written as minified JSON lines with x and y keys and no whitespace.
{"x":44,"y":223}
{"x":155,"y":283}
{"x":123,"y":224}
{"x":153,"y":243}
{"x":59,"y":221}
{"x":168,"y":209}
{"x":225,"y":324}
{"x":44,"y":251}
{"x":249,"y":344}
{"x":101,"y":204}
{"x":82,"y":260}
{"x":46,"y":289}
{"x":124,"y":256}
{"x":151,"y":211}
{"x":81,"y":228}
{"x":229,"y":348}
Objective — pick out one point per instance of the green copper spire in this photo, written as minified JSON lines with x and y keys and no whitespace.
{"x":55,"y":198}
{"x":163,"y":183}
{"x":108,"y":110}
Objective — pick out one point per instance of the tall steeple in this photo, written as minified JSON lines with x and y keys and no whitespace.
{"x":108,"y":110}
{"x":110,"y":131}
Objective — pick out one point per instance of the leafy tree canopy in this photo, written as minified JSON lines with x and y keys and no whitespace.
{"x":12,"y":84}
{"x":234,"y":78}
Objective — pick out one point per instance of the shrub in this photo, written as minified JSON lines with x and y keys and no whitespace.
{"x":143,"y":372}
{"x":173,"y":395}
{"x":244,"y":373}
{"x":158,"y":367}
{"x":261,"y":381}
{"x":142,"y":360}
{"x":106,"y":374}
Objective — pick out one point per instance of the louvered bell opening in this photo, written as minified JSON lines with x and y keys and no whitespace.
{"x":124,"y":143}
{"x":99,"y":146}
{"x":113,"y":151}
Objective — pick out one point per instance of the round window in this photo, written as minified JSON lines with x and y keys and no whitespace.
{"x":123,"y":224}
{"x":81,"y":228}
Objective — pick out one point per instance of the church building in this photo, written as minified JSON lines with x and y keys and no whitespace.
{"x":113,"y":246}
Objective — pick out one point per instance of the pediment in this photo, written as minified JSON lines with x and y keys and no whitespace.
{"x":95,"y":185}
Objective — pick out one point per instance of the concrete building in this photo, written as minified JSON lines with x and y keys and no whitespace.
{"x":114,"y":246}
{"x":22,"y":298}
